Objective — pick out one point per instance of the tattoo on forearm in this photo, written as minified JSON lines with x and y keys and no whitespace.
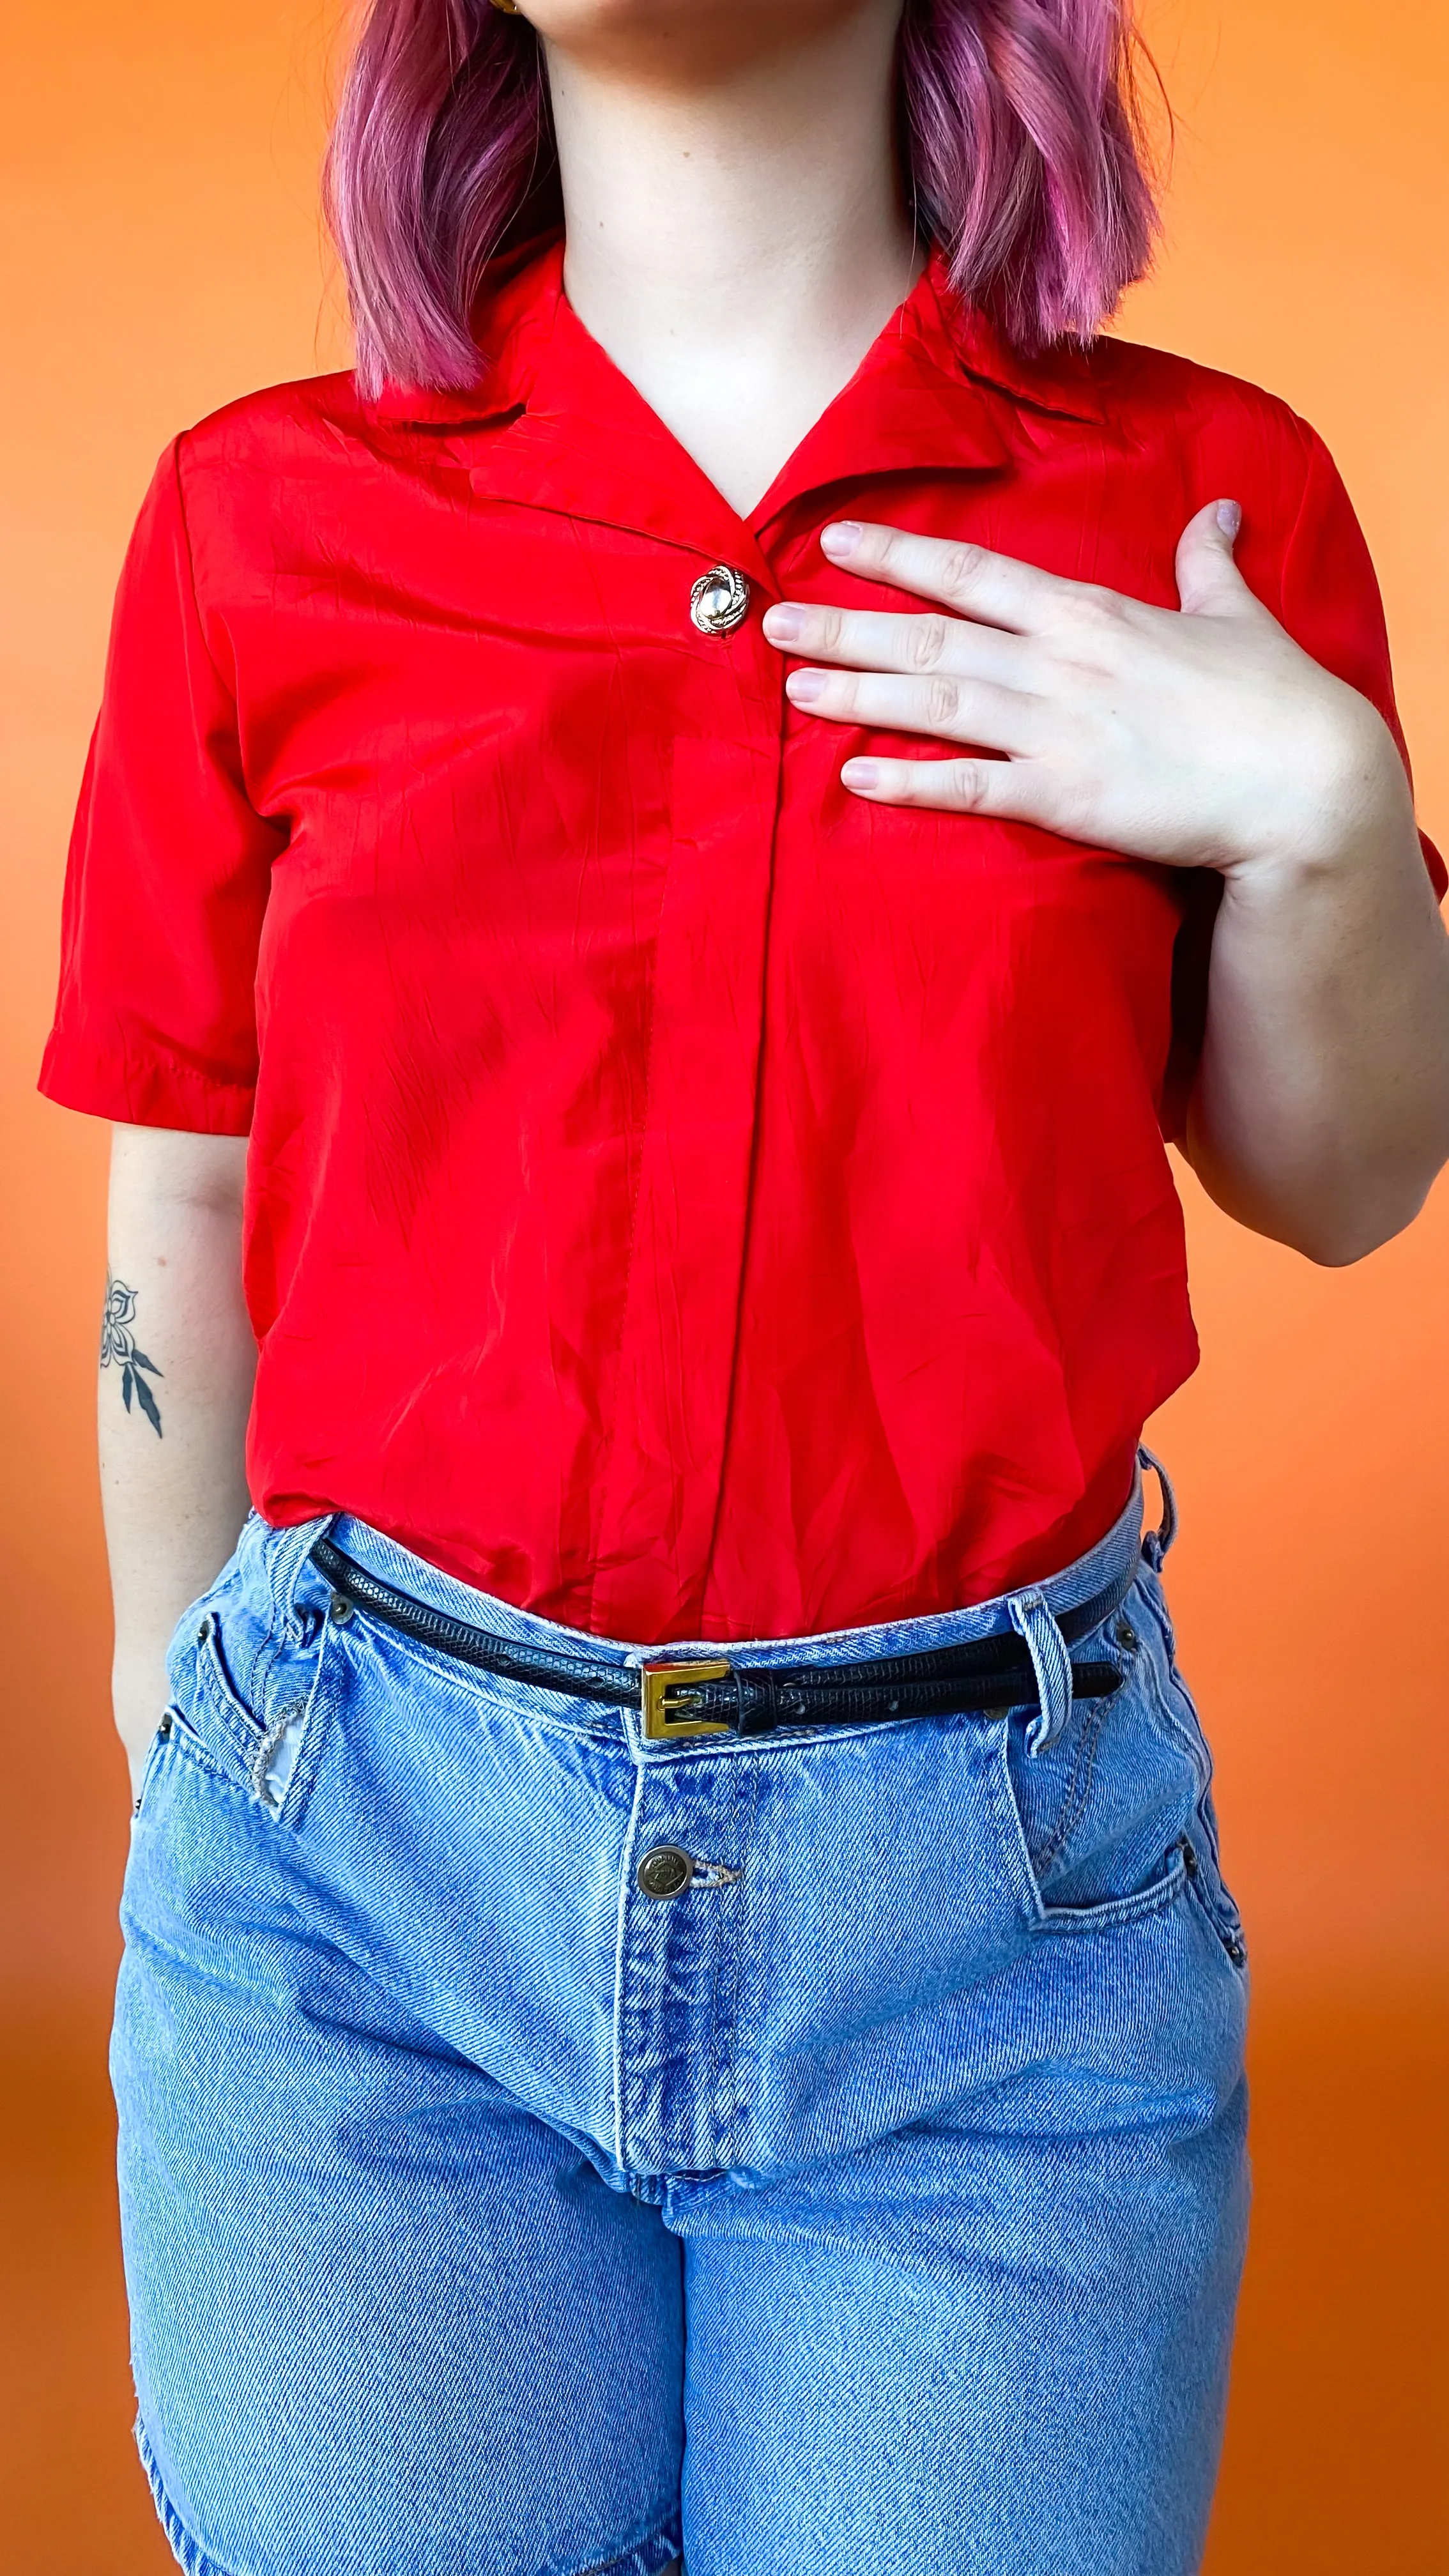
{"x":118,"y":1344}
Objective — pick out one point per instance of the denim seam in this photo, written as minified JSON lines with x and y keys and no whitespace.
{"x":1206,"y":1815}
{"x":266,"y":1664}
{"x":1071,"y":1920}
{"x":637,"y":2558}
{"x":1011,"y":1832}
{"x":1226,"y":1926}
{"x":631,"y":1836}
{"x":726,"y":2002}
{"x":177,"y":1735}
{"x":717,"y":2065}
{"x":187,"y":2551}
{"x":726,"y":2026}
{"x":1155,"y":1596}
{"x":233,"y":1713}
{"x":183,"y":1740}
{"x":1173,"y":1698}
{"x":1079,"y":1788}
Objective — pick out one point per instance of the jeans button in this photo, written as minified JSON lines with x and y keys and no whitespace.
{"x":665,"y":1871}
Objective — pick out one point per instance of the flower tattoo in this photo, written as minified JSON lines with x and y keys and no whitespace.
{"x":118,"y":1343}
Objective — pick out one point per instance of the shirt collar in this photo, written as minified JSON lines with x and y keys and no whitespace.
{"x":939,"y":390}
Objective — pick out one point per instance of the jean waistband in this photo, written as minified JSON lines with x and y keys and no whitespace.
{"x":752,"y":1686}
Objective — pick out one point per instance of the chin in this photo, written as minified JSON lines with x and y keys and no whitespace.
{"x":690,"y":27}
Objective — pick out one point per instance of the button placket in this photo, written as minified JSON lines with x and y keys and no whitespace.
{"x":679,"y":1934}
{"x":661,"y":1487}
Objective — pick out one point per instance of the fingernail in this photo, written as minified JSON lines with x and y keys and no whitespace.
{"x":805,"y":687}
{"x":841,"y":537}
{"x":1230,"y":517}
{"x":784,"y":625}
{"x":861,"y":773}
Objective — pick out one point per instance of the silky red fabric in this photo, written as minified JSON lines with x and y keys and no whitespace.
{"x":683,"y":1199}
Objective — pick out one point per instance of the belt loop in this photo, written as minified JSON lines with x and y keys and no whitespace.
{"x":1157,"y":1542}
{"x":288,"y":1554}
{"x":1051,"y":1663}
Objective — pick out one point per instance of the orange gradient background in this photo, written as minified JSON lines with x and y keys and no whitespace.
{"x":163,"y":253}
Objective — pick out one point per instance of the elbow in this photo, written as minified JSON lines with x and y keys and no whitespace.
{"x":1336,"y":1239}
{"x":1334,"y":1223}
{"x":1340,"y":1250}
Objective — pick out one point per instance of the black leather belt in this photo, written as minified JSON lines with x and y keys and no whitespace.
{"x":679,"y":1695}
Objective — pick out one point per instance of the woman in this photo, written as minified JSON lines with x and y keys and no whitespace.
{"x":676,"y":1889}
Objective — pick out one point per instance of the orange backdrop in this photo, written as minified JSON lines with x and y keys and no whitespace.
{"x":163,"y":254}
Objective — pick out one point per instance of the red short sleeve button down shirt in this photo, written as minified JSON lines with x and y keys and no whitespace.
{"x":683,"y":1199}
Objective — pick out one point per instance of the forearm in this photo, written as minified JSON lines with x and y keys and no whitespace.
{"x":1321,"y":1111}
{"x":174,"y":1496}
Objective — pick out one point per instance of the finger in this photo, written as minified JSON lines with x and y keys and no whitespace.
{"x":867,"y":640}
{"x":952,"y":710}
{"x":1209,"y":583}
{"x":996,"y":589}
{"x":1011,"y":790}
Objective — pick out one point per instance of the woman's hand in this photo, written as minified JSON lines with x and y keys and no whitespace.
{"x":1199,"y":739}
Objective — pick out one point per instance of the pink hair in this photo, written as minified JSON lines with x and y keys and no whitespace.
{"x":1020,"y":138}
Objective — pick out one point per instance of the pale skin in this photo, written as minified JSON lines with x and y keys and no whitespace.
{"x":734,"y":216}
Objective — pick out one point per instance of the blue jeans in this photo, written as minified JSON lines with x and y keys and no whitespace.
{"x":873,"y":2203}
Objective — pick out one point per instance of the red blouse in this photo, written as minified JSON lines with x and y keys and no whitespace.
{"x":683,"y":1199}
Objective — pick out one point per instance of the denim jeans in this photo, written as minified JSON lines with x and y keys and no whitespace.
{"x":875,"y":2202}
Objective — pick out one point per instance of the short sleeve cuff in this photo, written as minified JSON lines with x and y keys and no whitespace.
{"x":146,"y":1091}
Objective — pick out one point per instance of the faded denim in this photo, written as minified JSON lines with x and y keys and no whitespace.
{"x":874,"y":2205}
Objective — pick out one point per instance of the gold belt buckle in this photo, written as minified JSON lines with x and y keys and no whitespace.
{"x":670,"y":1691}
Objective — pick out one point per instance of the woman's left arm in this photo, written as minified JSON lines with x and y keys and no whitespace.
{"x":1202,"y":739}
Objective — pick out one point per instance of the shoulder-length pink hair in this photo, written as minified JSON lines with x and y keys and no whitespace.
{"x":1021,"y":144}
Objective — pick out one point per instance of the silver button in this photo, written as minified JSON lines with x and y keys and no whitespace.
{"x":720,"y":601}
{"x":665,"y":1871}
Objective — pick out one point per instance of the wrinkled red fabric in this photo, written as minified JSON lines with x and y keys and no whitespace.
{"x":683,"y":1199}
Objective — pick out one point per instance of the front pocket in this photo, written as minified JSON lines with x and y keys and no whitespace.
{"x":1099,"y":1822}
{"x":267,"y":1750}
{"x":1164,"y":1879}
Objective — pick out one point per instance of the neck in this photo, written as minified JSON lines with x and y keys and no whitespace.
{"x":742,"y":233}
